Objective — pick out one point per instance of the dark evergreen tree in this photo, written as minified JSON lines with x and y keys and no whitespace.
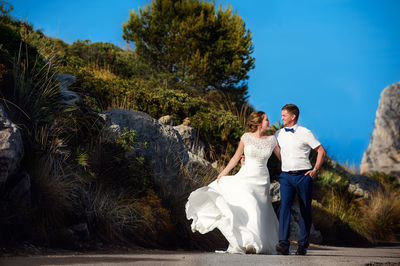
{"x":201,"y":47}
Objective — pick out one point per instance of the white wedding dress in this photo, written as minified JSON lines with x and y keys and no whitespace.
{"x":240,"y":205}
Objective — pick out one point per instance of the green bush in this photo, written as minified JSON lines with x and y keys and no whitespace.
{"x":220,"y":129}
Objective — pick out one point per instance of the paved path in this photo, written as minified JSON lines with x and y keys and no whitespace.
{"x":317,"y":255}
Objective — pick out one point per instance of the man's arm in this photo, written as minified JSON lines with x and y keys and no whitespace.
{"x":277,"y":151}
{"x":320,"y":159}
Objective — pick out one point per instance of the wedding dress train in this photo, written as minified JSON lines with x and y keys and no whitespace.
{"x":240,"y":205}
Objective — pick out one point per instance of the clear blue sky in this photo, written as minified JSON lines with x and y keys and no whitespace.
{"x":332,"y":58}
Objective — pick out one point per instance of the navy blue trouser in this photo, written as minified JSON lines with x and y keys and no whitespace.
{"x":303,"y":185}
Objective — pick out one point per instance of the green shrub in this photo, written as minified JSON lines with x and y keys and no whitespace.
{"x":330,"y":178}
{"x":220,"y":129}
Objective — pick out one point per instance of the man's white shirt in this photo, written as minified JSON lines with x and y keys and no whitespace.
{"x":296,"y":147}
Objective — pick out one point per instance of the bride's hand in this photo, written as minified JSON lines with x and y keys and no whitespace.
{"x":219,"y":177}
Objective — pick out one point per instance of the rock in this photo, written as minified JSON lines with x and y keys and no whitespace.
{"x":359,"y":185}
{"x":66,"y":80}
{"x":337,"y":167}
{"x":165,"y":148}
{"x":81,"y":230}
{"x":11,"y":147}
{"x":315,"y":235}
{"x":215,"y":164}
{"x":67,"y":96}
{"x":191,"y":140}
{"x":194,"y":158}
{"x":383,"y":152}
{"x":362,"y":186}
{"x":72,"y":237}
{"x":199,"y":168}
{"x":167,"y":120}
{"x":20,"y":194}
{"x":274,"y":191}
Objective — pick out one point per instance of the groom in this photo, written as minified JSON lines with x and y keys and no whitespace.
{"x":295,"y":143}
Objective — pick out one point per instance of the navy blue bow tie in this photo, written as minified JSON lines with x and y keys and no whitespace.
{"x":289,"y":129}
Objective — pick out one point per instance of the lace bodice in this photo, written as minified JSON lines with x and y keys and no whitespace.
{"x":258,"y":149}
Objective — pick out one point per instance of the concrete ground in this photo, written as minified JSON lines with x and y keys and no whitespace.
{"x":317,"y":255}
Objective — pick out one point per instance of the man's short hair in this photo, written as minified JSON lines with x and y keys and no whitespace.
{"x":293,"y":109}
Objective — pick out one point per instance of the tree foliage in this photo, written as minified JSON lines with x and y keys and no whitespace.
{"x":123,"y":63}
{"x":202,"y":47}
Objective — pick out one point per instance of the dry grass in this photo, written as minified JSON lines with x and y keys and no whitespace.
{"x":158,"y":229}
{"x":111,"y":214}
{"x":381,"y":215}
{"x":123,"y":102}
{"x":344,"y":206}
{"x":54,"y":190}
{"x":36,"y":93}
{"x":350,"y":168}
{"x":104,"y":73}
{"x":374,"y":219}
{"x":48,"y":139}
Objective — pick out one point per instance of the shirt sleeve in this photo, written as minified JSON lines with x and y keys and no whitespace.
{"x":276,"y":136}
{"x":311,"y":140}
{"x":275,"y":141}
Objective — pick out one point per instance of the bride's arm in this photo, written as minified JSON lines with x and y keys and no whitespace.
{"x":233,"y":162}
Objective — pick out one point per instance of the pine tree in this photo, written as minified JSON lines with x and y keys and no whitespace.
{"x":202,"y":47}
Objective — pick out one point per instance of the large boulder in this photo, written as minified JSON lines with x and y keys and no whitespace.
{"x":383,"y":153}
{"x":200,"y":169}
{"x":165,"y":148}
{"x":359,"y":185}
{"x":362,"y":186}
{"x":191,"y":140}
{"x":11,"y":147}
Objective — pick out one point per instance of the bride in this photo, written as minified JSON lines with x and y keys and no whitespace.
{"x":240,"y":205}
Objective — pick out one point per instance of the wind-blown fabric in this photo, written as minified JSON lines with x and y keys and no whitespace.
{"x":240,"y":205}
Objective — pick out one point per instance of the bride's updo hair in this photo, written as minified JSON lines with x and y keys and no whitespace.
{"x":254,"y":119}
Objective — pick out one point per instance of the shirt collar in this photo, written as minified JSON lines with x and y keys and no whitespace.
{"x":294,"y":127}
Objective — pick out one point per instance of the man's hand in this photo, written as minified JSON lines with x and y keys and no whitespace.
{"x":320,"y":159}
{"x":242,"y":160}
{"x":312,"y":173}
